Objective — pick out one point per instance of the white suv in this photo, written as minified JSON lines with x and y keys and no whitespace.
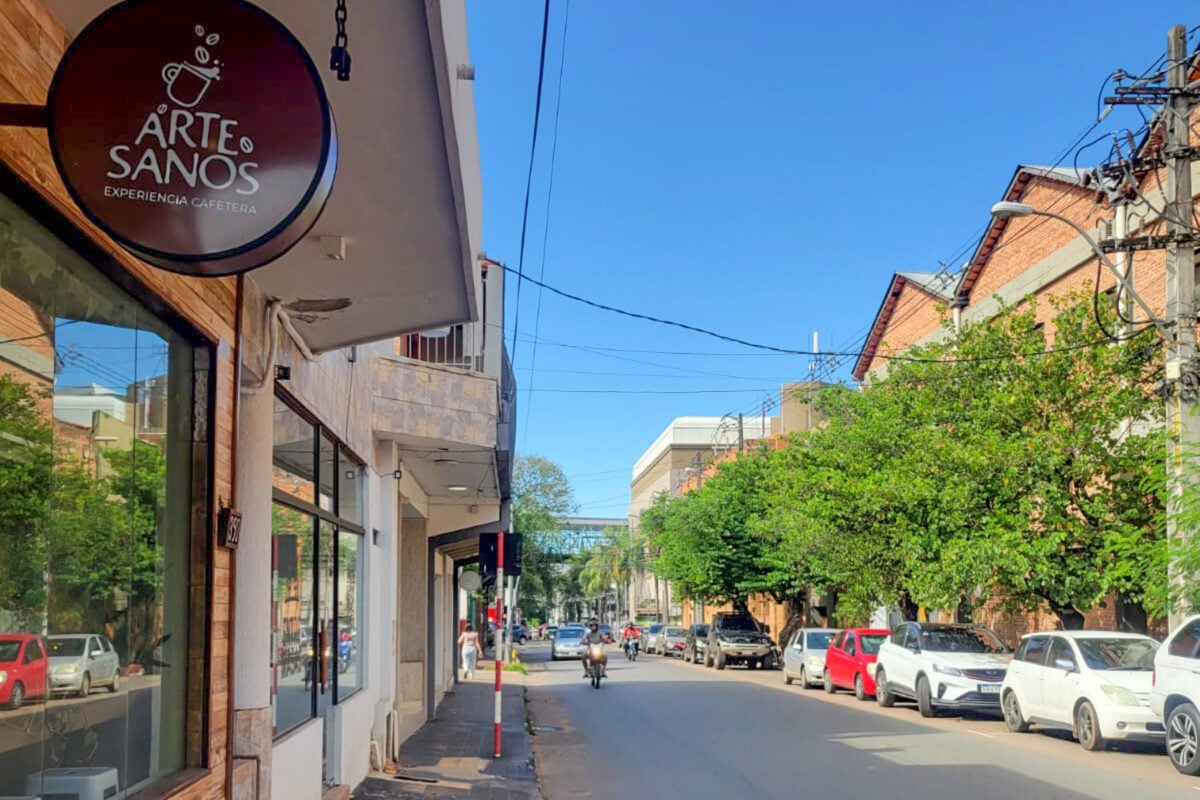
{"x":941,"y":666}
{"x":1095,"y":684}
{"x":1175,"y":695}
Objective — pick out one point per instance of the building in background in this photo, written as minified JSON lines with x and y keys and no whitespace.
{"x":680,"y":458}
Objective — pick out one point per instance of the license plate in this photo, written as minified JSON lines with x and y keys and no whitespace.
{"x":989,"y":688}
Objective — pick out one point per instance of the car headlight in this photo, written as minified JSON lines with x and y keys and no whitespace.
{"x":1120,"y":695}
{"x":3,"y":676}
{"x":814,"y":661}
{"x":951,"y":671}
{"x":66,"y":669}
{"x":871,"y":669}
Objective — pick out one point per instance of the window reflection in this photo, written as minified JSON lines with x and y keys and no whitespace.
{"x":292,"y":608}
{"x":95,"y":465}
{"x":349,"y":601}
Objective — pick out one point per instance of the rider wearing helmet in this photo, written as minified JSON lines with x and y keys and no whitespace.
{"x":593,"y":636}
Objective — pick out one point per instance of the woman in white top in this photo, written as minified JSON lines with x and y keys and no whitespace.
{"x":469,"y":642}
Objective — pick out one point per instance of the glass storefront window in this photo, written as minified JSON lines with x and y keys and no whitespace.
{"x":325,"y":578}
{"x":293,"y":455}
{"x":292,"y":615}
{"x":328,"y":473}
{"x":96,"y":459}
{"x":349,"y":601}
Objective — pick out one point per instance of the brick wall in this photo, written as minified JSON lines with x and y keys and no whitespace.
{"x":31,"y":43}
{"x":917,"y":314}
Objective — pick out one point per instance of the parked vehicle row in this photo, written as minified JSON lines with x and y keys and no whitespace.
{"x":33,"y":666}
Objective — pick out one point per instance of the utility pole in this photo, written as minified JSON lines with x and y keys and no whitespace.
{"x":1183,"y":425}
{"x":741,"y":433}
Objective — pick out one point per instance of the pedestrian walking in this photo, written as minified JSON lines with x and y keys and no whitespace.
{"x":469,"y":642}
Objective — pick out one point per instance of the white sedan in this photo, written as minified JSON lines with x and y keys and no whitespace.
{"x":1095,"y":684}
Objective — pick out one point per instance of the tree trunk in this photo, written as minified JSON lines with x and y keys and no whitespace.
{"x":1068,"y":616}
{"x":908,"y":609}
{"x":965,"y":611}
{"x":794,"y":622}
{"x":1131,"y":616}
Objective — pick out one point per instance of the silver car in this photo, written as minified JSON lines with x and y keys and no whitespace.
{"x":672,"y":640}
{"x":81,"y":661}
{"x":651,"y":637}
{"x":567,"y":644}
{"x":804,"y":657}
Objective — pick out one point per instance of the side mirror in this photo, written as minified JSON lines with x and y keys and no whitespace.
{"x":97,"y":653}
{"x":914,"y":648}
{"x":1065,"y":664}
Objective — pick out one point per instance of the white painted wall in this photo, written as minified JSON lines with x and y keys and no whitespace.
{"x":252,"y":620}
{"x":352,"y":722}
{"x":296,"y":764}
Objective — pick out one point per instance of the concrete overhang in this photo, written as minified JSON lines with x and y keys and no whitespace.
{"x":444,"y":423}
{"x":407,"y":198}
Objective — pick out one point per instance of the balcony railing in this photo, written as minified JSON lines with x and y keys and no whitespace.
{"x":454,"y":346}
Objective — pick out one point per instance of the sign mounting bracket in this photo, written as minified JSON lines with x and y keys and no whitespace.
{"x":23,"y":115}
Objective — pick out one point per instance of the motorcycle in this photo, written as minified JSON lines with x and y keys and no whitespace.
{"x":597,"y":661}
{"x":345,"y":655}
{"x":631,"y":649}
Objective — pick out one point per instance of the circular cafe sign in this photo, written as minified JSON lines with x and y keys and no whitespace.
{"x":197,"y":135}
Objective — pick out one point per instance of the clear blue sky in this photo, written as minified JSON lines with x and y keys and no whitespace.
{"x":759,"y":168}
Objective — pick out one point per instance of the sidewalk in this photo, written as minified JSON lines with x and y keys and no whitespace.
{"x":451,"y":757}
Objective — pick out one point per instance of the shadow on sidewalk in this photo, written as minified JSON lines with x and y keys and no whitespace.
{"x":452,"y":755}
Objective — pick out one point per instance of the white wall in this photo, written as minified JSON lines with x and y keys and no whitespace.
{"x":296,"y":772}
{"x":352,"y":721}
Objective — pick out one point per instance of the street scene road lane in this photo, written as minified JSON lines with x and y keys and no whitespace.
{"x":660,"y":727}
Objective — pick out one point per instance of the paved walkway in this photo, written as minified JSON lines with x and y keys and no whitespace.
{"x":451,"y":757}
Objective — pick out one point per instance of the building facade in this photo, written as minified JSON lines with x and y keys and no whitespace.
{"x":345,"y":399}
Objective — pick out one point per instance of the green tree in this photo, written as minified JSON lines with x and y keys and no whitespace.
{"x":542,"y":498}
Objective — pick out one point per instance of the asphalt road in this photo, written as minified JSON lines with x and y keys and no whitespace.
{"x":659,"y":727}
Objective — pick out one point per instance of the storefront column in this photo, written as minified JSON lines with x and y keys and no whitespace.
{"x":252,"y":632}
{"x":411,"y":624}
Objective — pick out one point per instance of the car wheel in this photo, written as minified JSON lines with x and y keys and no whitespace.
{"x":827,"y":683}
{"x":17,"y":698}
{"x":1012,"y":714}
{"x":883,"y":695}
{"x":85,"y":685}
{"x":719,"y":661}
{"x":803,"y":678}
{"x":1183,"y":738}
{"x":787,"y":676}
{"x":553,"y":657}
{"x":1087,"y":727}
{"x":860,"y":689}
{"x":924,"y":697}
{"x":115,"y":686}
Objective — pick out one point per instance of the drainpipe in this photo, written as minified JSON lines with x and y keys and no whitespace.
{"x":957,"y":311}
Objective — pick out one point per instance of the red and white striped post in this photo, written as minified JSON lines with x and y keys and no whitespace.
{"x":499,"y":637}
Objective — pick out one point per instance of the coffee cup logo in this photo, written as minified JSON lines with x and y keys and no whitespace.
{"x":187,"y":83}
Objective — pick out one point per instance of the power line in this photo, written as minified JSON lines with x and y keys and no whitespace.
{"x":537,"y":318}
{"x":537,"y":112}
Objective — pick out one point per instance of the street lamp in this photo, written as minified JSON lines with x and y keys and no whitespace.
{"x":1008,"y":210}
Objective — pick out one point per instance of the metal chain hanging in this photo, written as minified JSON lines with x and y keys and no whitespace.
{"x":339,"y":55}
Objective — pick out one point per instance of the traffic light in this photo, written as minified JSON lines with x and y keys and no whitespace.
{"x":487,"y":556}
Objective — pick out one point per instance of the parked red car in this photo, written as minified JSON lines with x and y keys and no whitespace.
{"x":23,"y":666}
{"x":850,"y":661}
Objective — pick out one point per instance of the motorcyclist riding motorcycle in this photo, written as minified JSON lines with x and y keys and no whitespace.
{"x":630,"y":637}
{"x":593,"y":637}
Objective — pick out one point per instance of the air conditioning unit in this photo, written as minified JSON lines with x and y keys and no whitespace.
{"x":73,"y":783}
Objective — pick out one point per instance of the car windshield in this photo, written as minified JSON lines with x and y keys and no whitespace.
{"x":739,"y":623}
{"x":818,"y":640}
{"x":1118,"y":654}
{"x":961,"y":640}
{"x":655,"y":628}
{"x":65,"y":647}
{"x":9,"y":650}
{"x":701,"y":630}
{"x":870,"y":642}
{"x":675,"y":632}
{"x":570,"y":633}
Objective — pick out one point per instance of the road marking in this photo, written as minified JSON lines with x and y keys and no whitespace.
{"x":981,"y":733}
